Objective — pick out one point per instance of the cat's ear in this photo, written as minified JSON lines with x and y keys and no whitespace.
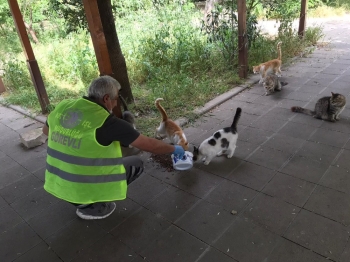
{"x":332,"y":93}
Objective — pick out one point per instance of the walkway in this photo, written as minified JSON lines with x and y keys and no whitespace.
{"x":283,"y":197}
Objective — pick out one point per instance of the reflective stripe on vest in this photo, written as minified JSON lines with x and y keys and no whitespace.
{"x":83,"y":161}
{"x":85,"y":178}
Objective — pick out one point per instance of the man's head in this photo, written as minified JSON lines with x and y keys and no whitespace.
{"x":105,"y":90}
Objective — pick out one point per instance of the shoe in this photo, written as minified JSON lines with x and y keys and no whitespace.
{"x":96,"y":211}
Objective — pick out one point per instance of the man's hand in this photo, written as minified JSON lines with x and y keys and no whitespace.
{"x":179,"y":151}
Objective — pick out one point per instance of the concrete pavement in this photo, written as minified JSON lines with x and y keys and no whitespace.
{"x":283,"y":197}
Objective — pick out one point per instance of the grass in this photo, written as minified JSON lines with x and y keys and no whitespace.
{"x":171,"y":59}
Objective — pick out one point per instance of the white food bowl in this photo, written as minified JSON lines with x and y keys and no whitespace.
{"x":183,"y":164}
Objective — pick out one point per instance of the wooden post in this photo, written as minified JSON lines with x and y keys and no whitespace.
{"x":100,"y":45}
{"x":29,"y":54}
{"x":242,"y":39}
{"x":2,"y":86}
{"x":302,"y":20}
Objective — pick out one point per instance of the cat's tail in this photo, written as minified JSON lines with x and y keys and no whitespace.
{"x":236,"y":118}
{"x":299,"y":109}
{"x":123,"y":102}
{"x":161,"y":109}
{"x":279,"y":50}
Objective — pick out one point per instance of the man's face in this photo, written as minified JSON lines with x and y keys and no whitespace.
{"x":110,"y":102}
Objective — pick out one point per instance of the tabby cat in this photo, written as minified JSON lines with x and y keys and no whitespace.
{"x":271,"y":66}
{"x":326,"y":108}
{"x":127,"y":115}
{"x":272,"y":84}
{"x":170,"y":129}
{"x":221,"y":142}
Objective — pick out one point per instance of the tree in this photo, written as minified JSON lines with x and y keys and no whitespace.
{"x":116,"y":56}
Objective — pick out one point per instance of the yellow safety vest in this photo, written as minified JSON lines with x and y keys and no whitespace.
{"x":78,"y":168}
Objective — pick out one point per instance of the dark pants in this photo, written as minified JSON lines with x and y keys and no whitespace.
{"x":133,"y":169}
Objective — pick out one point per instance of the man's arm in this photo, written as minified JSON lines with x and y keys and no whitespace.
{"x":152,"y":145}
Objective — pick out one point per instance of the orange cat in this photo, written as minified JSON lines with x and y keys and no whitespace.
{"x":170,"y":129}
{"x":271,"y":66}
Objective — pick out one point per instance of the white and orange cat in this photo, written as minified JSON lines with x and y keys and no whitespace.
{"x":271,"y":66}
{"x":170,"y":129}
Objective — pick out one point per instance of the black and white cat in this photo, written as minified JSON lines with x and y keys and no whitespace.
{"x":221,"y":142}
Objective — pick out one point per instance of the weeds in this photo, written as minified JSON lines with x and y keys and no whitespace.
{"x":167,"y":55}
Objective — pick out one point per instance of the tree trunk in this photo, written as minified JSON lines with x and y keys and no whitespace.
{"x":115,"y":53}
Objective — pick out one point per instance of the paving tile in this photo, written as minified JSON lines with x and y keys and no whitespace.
{"x":288,"y":103}
{"x":343,"y":160}
{"x":329,"y":137}
{"x":254,"y":135}
{"x":330,"y":203}
{"x":140,"y":229}
{"x":341,"y":126}
{"x":287,"y":251}
{"x":245,"y":97}
{"x":174,"y":245}
{"x":35,"y":163}
{"x":7,"y":163}
{"x":269,"y":123}
{"x":323,"y":236}
{"x":336,"y":178}
{"x":145,"y":188}
{"x":305,"y":168}
{"x":221,"y":166}
{"x":290,"y":189}
{"x":269,"y":157}
{"x":16,"y":241}
{"x":347,"y":145}
{"x":195,"y":181}
{"x":280,"y":113}
{"x":301,"y":96}
{"x":40,"y":173}
{"x":9,"y":218}
{"x":231,"y":196}
{"x":41,"y":252}
{"x":109,"y":248}
{"x":33,"y":203}
{"x":215,"y":255}
{"x":244,"y":149}
{"x":306,"y":120}
{"x":246,"y":120}
{"x":284,"y":143}
{"x":319,"y":152}
{"x":271,"y":213}
{"x":206,"y":221}
{"x":53,"y":218}
{"x":124,"y":209}
{"x":345,"y":256}
{"x":172,"y":203}
{"x":12,"y":174}
{"x":211,"y":125}
{"x":75,"y":237}
{"x":246,"y":241}
{"x":256,"y":109}
{"x":20,"y":188}
{"x":297,"y":130}
{"x":24,"y":155}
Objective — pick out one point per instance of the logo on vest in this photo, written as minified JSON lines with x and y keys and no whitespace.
{"x":71,"y":118}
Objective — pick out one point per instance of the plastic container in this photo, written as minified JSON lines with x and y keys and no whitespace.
{"x":183,"y":164}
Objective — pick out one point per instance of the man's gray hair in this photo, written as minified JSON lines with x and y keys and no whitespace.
{"x":103,"y":85}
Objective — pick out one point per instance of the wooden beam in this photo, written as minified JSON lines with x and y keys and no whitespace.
{"x":242,"y":39}
{"x":98,"y":37}
{"x":302,"y":20}
{"x":29,"y":54}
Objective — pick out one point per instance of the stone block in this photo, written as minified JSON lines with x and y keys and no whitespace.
{"x":33,"y":138}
